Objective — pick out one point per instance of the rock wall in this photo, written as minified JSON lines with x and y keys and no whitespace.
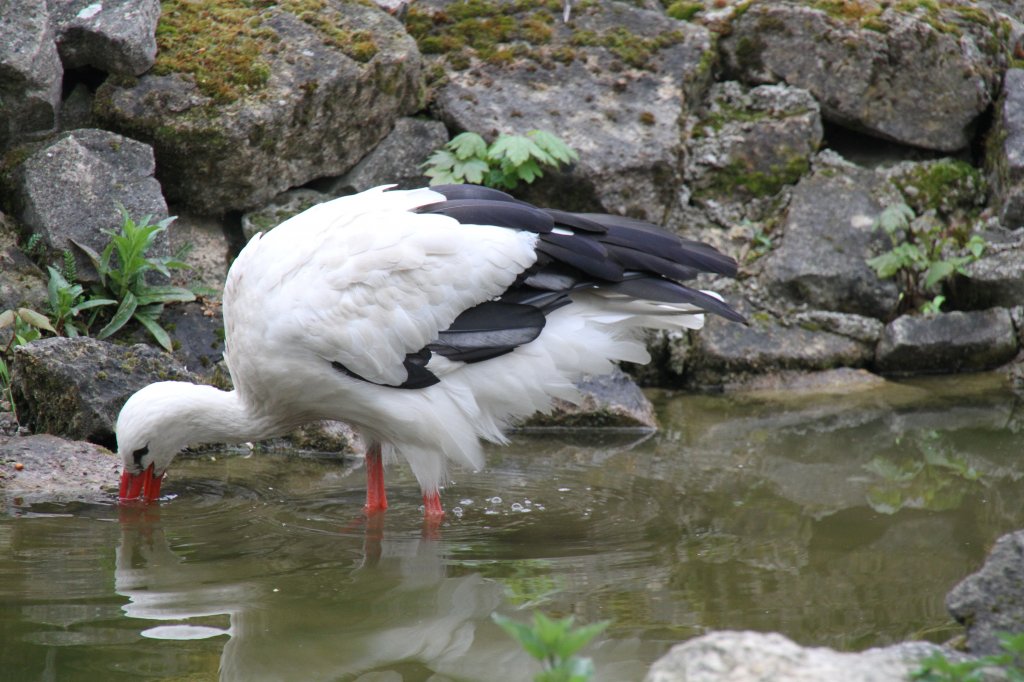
{"x":780,"y":131}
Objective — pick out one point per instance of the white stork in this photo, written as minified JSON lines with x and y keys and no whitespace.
{"x":426,"y":319}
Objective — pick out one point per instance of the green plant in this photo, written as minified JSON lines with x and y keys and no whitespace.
{"x":760,"y":244}
{"x":503,"y":164}
{"x":122,"y":269}
{"x":924,"y":253}
{"x":1010,"y":664}
{"x":554,"y":643}
{"x":67,"y":300}
{"x":934,"y":306}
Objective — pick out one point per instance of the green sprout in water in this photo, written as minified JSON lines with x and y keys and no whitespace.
{"x":554,"y":643}
{"x":503,"y":164}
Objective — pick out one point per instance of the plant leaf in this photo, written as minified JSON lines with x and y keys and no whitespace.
{"x":471,"y":171}
{"x":124,"y":312}
{"x":92,"y":303}
{"x":554,"y":146}
{"x":157,"y":331}
{"x":467,"y":146}
{"x":515,"y":148}
{"x":523,"y":634}
{"x":937,"y":272}
{"x":37,"y":320}
{"x":442,"y":159}
{"x":574,"y":640}
{"x":168,"y":294}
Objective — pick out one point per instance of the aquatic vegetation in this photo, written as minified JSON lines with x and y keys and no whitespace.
{"x":555,"y":643}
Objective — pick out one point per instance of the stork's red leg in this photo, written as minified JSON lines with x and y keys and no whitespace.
{"x":433,"y":515}
{"x":432,"y":505}
{"x":376,"y":499}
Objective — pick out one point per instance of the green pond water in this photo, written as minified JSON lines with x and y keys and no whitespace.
{"x":838,"y":520}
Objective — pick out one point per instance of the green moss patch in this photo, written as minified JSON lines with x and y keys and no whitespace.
{"x":222,"y":44}
{"x":491,"y":31}
{"x":219,"y":44}
{"x":737,"y":178}
{"x":498,"y":32}
{"x":944,"y":186}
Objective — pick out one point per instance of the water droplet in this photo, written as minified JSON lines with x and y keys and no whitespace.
{"x":495,"y":500}
{"x":517,"y":507}
{"x":466,"y":501}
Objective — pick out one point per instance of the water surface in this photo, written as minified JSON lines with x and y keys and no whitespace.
{"x":838,"y":520}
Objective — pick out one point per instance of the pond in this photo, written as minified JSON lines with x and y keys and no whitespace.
{"x":839,"y":520}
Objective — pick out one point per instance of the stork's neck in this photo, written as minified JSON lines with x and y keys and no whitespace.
{"x":209,"y":415}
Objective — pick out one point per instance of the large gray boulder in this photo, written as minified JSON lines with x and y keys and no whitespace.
{"x":991,"y":601}
{"x":948,"y":342}
{"x":317,"y":93}
{"x":614,"y":84}
{"x":728,"y":656}
{"x":920,"y":76}
{"x":116,"y":36}
{"x":76,"y":387}
{"x":827,"y":236}
{"x":71,"y":188}
{"x":30,"y":72}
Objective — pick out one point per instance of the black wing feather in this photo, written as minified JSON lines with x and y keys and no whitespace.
{"x":576,"y":221}
{"x":415,"y":365}
{"x":660,"y":289}
{"x":477,"y":192}
{"x":488,"y":330}
{"x":593,"y":267}
{"x":514,"y":215}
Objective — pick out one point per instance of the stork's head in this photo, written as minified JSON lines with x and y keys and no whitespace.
{"x":150,"y":432}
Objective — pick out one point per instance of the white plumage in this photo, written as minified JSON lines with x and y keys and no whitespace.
{"x":406,"y":315}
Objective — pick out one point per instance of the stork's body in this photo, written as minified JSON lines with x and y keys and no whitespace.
{"x":426,"y":319}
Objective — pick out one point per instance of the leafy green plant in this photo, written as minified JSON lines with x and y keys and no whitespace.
{"x":123,"y":266}
{"x":923,"y":254}
{"x":503,"y":164}
{"x":554,"y":643}
{"x":67,"y":300}
{"x":1010,"y":664}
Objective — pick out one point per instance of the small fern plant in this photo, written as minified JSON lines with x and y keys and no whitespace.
{"x":502,"y":164}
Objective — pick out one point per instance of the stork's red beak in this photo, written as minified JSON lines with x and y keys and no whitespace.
{"x":144,"y":487}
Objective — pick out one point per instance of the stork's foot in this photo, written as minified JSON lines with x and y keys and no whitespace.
{"x":432,"y":508}
{"x":433,"y":515}
{"x":376,"y":498}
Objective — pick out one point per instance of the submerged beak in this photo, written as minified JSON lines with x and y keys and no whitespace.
{"x":144,"y":487}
